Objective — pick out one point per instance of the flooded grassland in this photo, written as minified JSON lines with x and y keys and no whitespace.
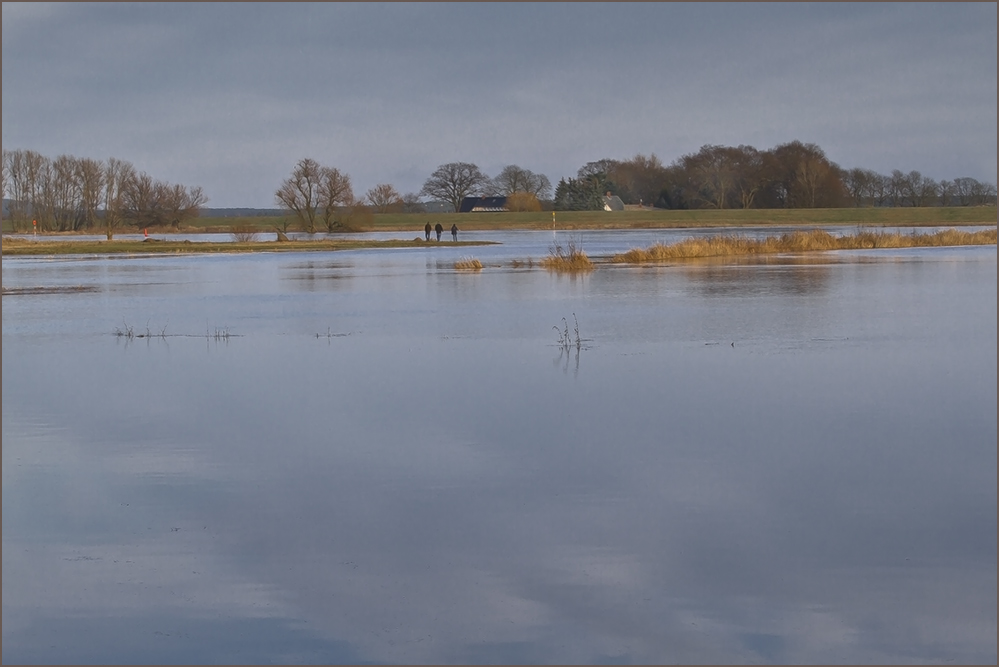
{"x":375,"y":456}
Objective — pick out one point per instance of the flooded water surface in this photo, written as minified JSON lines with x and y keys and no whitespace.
{"x":371,"y":457}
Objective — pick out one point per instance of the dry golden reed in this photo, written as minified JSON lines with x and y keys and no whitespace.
{"x":567,"y":258}
{"x":810,"y":241}
{"x":468,"y":264}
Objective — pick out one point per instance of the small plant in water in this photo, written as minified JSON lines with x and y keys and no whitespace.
{"x":567,"y":339}
{"x":468,"y":264}
{"x":125,"y":331}
{"x":569,"y":257}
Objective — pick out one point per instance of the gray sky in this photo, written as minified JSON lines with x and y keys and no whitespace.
{"x":230,"y":96}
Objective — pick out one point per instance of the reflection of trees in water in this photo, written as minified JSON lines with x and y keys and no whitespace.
{"x":759,"y":280}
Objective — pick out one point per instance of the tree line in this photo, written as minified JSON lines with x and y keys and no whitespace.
{"x":791,"y":175}
{"x":321,"y":197}
{"x":81,"y":194}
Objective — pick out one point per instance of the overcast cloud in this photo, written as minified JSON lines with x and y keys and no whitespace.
{"x":229,"y":96}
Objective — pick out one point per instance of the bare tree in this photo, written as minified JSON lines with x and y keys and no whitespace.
{"x":384,"y":198}
{"x":117,"y":176}
{"x":897,"y":186}
{"x":638,"y":180}
{"x":138,"y":194}
{"x":454,"y":181}
{"x":300,"y":193}
{"x":862,"y":186}
{"x":152,"y":203}
{"x":65,"y":194}
{"x":982,"y":193}
{"x":605,"y":166}
{"x":43,"y":201}
{"x":945,"y":192}
{"x":4,"y":178}
{"x":24,"y":169}
{"x":90,"y":178}
{"x":713,"y":174}
{"x":880,"y":186}
{"x":513,"y":179}
{"x":923,"y":189}
{"x":971,"y":192}
{"x":334,"y":192}
{"x":411,"y":203}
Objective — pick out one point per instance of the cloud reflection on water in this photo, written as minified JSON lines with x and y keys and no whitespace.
{"x":432,"y":488}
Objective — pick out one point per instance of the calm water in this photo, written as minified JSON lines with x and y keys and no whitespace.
{"x":369,"y":457}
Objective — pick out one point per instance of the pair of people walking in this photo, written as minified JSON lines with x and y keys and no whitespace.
{"x":439,"y":228}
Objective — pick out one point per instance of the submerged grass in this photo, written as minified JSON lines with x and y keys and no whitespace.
{"x":567,"y":258}
{"x":810,"y":241}
{"x":468,"y":264}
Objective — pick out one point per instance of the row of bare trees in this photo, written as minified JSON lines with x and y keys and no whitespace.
{"x":791,"y":175}
{"x":321,"y":197}
{"x":869,"y":188}
{"x":81,"y":194}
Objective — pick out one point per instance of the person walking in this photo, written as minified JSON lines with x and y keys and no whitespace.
{"x":454,"y":232}
{"x":440,"y":230}
{"x":428,"y":229}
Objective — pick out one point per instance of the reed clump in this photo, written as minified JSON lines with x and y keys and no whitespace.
{"x":244,"y":233}
{"x":468,"y":264}
{"x":567,"y":258}
{"x":800,"y":241}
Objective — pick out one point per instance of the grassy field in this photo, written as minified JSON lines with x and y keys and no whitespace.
{"x":632,"y":219}
{"x":651,"y":219}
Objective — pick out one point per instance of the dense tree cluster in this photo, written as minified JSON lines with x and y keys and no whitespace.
{"x":79,"y":194}
{"x":454,"y":181}
{"x":791,"y":175}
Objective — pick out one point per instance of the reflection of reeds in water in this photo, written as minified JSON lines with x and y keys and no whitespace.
{"x":468,"y":264}
{"x":721,"y":246}
{"x":569,"y":257}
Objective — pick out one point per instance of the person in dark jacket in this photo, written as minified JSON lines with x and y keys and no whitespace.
{"x":428,"y":229}
{"x":454,"y":233}
{"x":440,"y":230}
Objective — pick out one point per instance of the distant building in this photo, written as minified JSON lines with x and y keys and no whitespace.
{"x":613,"y":203}
{"x":483,"y":205}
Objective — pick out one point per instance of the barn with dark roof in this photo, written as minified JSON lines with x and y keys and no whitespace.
{"x":483,"y":205}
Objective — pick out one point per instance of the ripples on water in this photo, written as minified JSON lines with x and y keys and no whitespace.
{"x":390,"y":461}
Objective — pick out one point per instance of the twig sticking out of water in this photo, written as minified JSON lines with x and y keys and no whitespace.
{"x":329,"y":334}
{"x":565,"y":338}
{"x":125,"y":332}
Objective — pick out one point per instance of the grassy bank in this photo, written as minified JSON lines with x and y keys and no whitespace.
{"x":811,"y":241}
{"x":18,"y":246}
{"x":663,"y":219}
